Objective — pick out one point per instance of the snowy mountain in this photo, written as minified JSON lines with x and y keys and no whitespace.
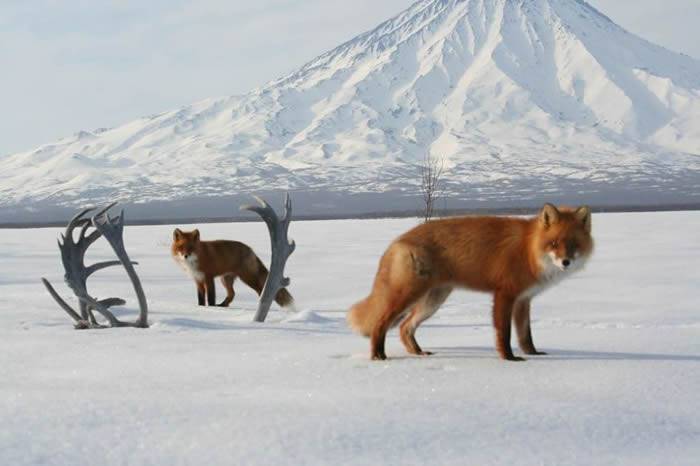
{"x":525,"y":100}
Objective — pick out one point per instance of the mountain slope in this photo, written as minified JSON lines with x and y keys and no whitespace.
{"x":523,"y":98}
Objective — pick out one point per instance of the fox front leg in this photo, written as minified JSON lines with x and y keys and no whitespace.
{"x":200,"y":293}
{"x":521,"y":319}
{"x":502,"y":315}
{"x":211,"y":291}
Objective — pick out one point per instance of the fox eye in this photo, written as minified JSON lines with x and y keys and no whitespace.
{"x":554,"y":244}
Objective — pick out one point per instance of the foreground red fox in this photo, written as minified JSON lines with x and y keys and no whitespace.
{"x":206,"y":260}
{"x":513,"y":258}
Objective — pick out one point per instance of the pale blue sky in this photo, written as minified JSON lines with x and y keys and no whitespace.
{"x":83,"y":64}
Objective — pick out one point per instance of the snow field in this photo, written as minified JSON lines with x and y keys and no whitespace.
{"x":206,"y":386}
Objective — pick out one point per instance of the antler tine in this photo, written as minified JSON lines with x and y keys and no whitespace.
{"x":261,"y":201}
{"x":96,"y":267}
{"x":120,"y":218}
{"x":64,"y":305}
{"x":262,"y":207}
{"x":80,"y":215}
{"x":104,"y":211}
{"x":99,"y":219}
{"x":99,"y":307}
{"x":74,"y":222}
{"x":92,"y":237}
{"x":84,"y":229}
{"x":286,"y":218}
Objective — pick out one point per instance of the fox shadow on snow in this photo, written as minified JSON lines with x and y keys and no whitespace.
{"x":335,"y":326}
{"x":564,"y":355}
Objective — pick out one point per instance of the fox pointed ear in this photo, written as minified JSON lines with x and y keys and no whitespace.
{"x":549,"y":215}
{"x":195,"y":235}
{"x":177,"y":234}
{"x":583,"y":215}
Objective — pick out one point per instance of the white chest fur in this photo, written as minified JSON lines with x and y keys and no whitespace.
{"x":552,"y":272}
{"x":190,"y":264}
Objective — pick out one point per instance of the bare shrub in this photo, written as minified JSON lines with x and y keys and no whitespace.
{"x":432,"y":170}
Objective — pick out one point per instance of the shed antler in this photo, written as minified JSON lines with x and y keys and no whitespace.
{"x":282,"y":248}
{"x":76,"y":273}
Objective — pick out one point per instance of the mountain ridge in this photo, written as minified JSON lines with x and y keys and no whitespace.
{"x":524,"y":99}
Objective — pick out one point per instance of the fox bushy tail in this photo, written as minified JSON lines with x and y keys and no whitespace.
{"x":284,"y":298}
{"x":361,"y":318}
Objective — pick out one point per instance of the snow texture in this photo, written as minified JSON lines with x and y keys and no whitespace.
{"x":621,"y":384}
{"x":523,"y":98}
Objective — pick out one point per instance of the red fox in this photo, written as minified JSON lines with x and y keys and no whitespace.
{"x":206,"y":260}
{"x":513,"y":258}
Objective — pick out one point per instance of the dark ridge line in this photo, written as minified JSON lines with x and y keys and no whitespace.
{"x":371,"y":215}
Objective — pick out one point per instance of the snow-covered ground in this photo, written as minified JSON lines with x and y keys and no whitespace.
{"x":206,"y":386}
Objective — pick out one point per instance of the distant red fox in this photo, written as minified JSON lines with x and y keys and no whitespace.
{"x":513,"y":258}
{"x":206,"y":260}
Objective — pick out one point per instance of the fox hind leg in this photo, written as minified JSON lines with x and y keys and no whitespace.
{"x":404,"y":276}
{"x":425,"y":308}
{"x":392,"y":313}
{"x":227,"y":282}
{"x":255,"y":279}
